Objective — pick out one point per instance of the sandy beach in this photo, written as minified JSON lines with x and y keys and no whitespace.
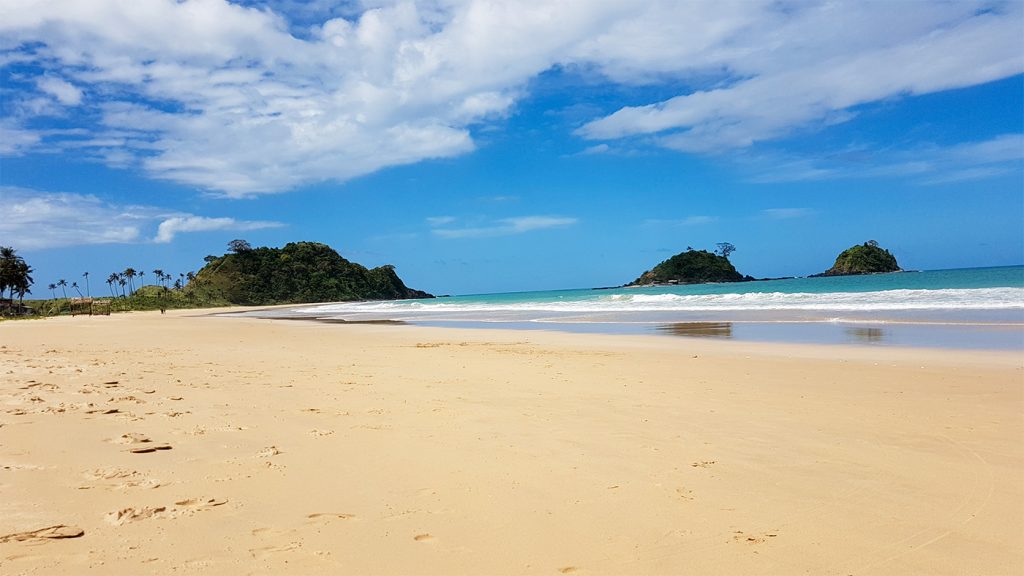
{"x":189,"y":444}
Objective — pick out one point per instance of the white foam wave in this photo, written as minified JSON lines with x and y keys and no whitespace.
{"x":888,"y":300}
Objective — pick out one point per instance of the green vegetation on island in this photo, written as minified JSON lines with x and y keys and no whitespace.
{"x":694,"y":267}
{"x":301,"y":272}
{"x":866,"y":258}
{"x":298,"y":273}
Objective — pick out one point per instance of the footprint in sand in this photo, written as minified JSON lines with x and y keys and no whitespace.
{"x":200,"y":503}
{"x":127,"y":515}
{"x":704,"y":464}
{"x":330,"y":515}
{"x":739,"y":536}
{"x":58,"y":532}
{"x":568,"y":569}
{"x":148,"y":448}
{"x":131,"y":438}
{"x":423,"y":538}
{"x":268,"y":452}
{"x":120,"y":478}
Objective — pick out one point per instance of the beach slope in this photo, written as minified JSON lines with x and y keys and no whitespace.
{"x":150,"y":444}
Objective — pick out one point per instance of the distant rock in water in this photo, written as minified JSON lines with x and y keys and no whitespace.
{"x":691,"y":267}
{"x":301,"y":272}
{"x":867,"y":258}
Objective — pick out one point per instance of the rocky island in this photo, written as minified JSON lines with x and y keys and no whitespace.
{"x":866,"y":258}
{"x":300,"y":272}
{"x":693,"y":267}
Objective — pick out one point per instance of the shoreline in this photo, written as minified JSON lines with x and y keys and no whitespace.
{"x":933,"y":334}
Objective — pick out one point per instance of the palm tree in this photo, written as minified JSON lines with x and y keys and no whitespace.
{"x":52,"y":287}
{"x":159,"y":274}
{"x":142,"y":281}
{"x":87,"y":291}
{"x":122,"y":282}
{"x":75,"y":286}
{"x":62,"y":283}
{"x":22,"y":281}
{"x":129,"y":274}
{"x":12,"y":267}
{"x":110,"y":284}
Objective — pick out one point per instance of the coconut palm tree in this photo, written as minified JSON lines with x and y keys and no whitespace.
{"x":63,"y":283}
{"x":122,"y":282}
{"x":10,"y":269}
{"x":110,"y":284}
{"x":129,"y":274}
{"x":159,"y":274}
{"x":142,"y":281}
{"x":87,"y":291}
{"x":22,"y":281}
{"x":75,"y":286}
{"x":52,"y":288}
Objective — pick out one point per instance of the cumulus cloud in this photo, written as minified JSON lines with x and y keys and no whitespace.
{"x":507,"y":227}
{"x":265,"y":96}
{"x":170,"y":227}
{"x":36,"y":220}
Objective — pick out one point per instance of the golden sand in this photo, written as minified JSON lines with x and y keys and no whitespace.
{"x":179,"y":444}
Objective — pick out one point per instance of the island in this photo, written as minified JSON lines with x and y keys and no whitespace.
{"x":866,"y":258}
{"x":693,"y":267}
{"x":300,"y":272}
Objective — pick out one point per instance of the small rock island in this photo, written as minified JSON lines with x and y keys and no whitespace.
{"x":866,"y":258}
{"x":693,"y":267}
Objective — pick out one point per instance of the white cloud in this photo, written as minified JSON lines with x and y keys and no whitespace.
{"x":786,"y":213}
{"x":65,"y":92}
{"x":687,"y":221}
{"x":36,"y":220}
{"x":816,"y":61}
{"x":244,"y":100}
{"x":440,"y":220}
{"x":921,"y":163}
{"x":507,"y":227}
{"x":170,"y":227}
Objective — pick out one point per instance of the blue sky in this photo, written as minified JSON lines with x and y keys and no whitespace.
{"x":501,"y":146}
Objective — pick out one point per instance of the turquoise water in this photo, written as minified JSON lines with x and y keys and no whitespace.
{"x":839,"y":309}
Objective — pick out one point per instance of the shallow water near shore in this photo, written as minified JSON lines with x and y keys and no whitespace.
{"x":978,"y":308}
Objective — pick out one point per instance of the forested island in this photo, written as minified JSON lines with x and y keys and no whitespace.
{"x":693,"y":267}
{"x":866,"y":258}
{"x":298,"y":273}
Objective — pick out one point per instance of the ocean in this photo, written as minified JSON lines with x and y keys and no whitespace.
{"x":973,"y":308}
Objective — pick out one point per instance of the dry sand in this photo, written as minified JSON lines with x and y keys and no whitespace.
{"x":149,"y":444}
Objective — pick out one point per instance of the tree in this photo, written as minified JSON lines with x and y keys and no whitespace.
{"x":724,"y":249}
{"x":75,"y":286}
{"x":238,"y":246}
{"x":122,"y":282}
{"x":63,"y":283}
{"x":110,"y":284}
{"x":22,"y":280}
{"x":52,"y":288}
{"x":159,"y":274}
{"x":142,"y":276}
{"x":14,"y":273}
{"x":129,"y":274}
{"x":87,"y":291}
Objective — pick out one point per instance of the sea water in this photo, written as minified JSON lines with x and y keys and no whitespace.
{"x":975,"y":307}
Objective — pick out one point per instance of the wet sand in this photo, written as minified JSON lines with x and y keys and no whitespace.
{"x":149,"y":444}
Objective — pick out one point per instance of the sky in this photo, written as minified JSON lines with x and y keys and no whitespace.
{"x":495,"y":146}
